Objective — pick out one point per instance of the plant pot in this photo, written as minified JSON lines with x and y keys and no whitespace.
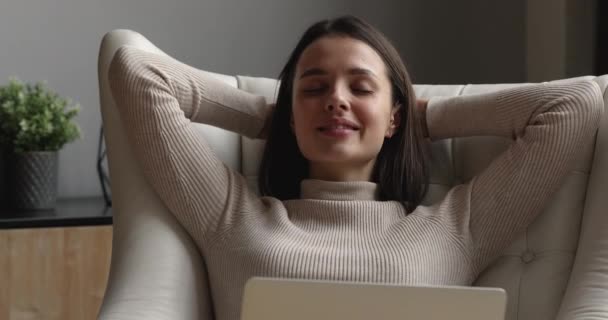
{"x":31,"y":180}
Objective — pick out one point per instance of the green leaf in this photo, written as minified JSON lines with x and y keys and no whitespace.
{"x":33,"y":118}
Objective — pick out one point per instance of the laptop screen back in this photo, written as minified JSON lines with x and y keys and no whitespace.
{"x":281,"y":299}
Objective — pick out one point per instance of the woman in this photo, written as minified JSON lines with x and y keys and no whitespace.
{"x":344,"y":168}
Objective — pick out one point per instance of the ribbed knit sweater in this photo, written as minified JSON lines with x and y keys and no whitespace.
{"x":339,"y":230}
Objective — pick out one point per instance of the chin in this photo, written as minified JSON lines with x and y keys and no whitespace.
{"x":333,"y":157}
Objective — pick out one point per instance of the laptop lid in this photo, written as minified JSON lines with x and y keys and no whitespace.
{"x":280,"y":299}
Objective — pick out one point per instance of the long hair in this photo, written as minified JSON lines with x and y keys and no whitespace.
{"x":401,"y":167}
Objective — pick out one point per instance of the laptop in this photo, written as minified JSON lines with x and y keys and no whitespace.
{"x":287,"y":299}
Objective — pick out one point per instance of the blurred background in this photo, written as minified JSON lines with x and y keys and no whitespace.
{"x":442,"y":42}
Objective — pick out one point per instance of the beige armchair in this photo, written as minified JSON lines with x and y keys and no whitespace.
{"x":556,"y":269}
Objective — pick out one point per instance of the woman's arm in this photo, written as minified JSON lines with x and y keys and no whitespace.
{"x":201,"y":97}
{"x":549,"y":125}
{"x":158,"y":98}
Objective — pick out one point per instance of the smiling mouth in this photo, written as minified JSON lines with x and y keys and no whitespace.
{"x":338,"y":132}
{"x":338,"y":128}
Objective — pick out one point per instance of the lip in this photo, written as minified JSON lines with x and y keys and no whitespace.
{"x":336,"y":122}
{"x":337,"y":133}
{"x":338,"y":128}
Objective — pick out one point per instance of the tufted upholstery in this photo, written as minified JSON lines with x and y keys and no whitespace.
{"x":556,"y":269}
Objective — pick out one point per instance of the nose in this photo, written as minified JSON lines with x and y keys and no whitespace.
{"x":336,"y":101}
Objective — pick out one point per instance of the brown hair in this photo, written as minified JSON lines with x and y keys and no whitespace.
{"x":401,"y":168}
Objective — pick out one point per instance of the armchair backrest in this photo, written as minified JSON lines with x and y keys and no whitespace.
{"x":558,"y":267}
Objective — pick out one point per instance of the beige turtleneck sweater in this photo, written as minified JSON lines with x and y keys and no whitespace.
{"x":338,"y":230}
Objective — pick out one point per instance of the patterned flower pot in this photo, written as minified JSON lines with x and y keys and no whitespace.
{"x":31,"y":180}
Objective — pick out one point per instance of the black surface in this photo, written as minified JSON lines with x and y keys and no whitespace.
{"x":602,"y":32}
{"x":68,"y":212}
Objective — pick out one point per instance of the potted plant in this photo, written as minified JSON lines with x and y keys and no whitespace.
{"x":35,"y":123}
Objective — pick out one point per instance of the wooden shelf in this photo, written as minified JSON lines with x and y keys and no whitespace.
{"x":54,"y":264}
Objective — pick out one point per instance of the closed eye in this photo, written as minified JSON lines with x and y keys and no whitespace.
{"x":313,"y":90}
{"x":363,"y":91}
{"x":318,"y":90}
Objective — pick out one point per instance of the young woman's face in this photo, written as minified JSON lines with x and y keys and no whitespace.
{"x":342,"y":102}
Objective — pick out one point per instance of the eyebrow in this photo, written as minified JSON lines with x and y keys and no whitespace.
{"x":352,"y":71}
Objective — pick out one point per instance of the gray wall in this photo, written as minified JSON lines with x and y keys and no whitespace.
{"x":560,"y":39}
{"x":469,"y":41}
{"x":472,"y":41}
{"x":581,"y":36}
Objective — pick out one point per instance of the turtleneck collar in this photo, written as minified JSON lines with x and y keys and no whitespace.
{"x":338,"y":190}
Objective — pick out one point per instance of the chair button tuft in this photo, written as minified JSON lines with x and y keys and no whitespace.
{"x":528,"y":256}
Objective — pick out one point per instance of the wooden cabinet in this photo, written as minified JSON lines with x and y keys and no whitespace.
{"x":53,"y":273}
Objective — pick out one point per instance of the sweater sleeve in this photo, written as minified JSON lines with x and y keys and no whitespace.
{"x":158,"y":99}
{"x":548,"y":123}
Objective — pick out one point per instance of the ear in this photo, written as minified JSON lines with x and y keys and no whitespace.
{"x":395,"y":121}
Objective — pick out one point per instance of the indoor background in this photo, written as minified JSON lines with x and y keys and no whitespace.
{"x":442,"y":42}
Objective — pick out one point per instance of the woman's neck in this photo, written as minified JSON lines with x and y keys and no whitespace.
{"x":341,"y":171}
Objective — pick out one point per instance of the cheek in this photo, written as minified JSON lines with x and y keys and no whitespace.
{"x":374,"y":121}
{"x":301,"y":120}
{"x":304,"y":111}
{"x":298,"y":115}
